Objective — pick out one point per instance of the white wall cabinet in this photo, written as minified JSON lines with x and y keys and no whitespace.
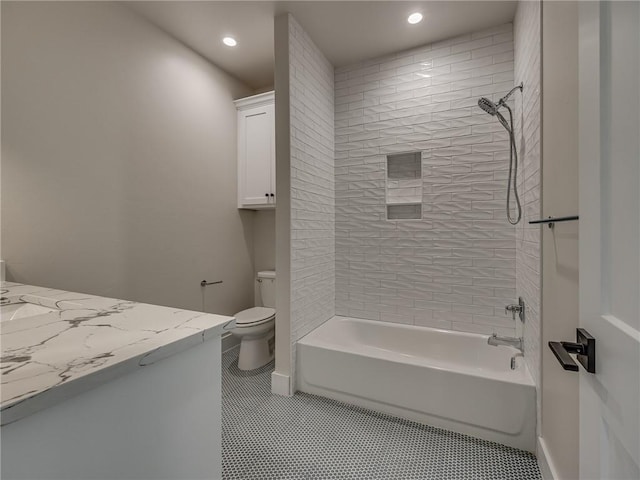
{"x":256,"y":152}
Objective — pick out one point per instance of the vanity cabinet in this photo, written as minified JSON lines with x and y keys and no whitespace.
{"x":111,"y":399}
{"x":256,"y":152}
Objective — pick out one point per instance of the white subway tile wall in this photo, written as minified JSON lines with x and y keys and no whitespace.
{"x":311,"y":80}
{"x":456,"y":267}
{"x":527,"y":69}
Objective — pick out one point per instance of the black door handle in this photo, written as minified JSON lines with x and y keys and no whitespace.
{"x":584,"y":347}
{"x":563,"y":356}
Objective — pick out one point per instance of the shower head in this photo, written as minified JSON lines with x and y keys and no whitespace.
{"x":488,"y":106}
{"x":492,"y":108}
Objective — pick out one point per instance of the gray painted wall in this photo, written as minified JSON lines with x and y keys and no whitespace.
{"x":281,"y":378}
{"x":264,"y":243}
{"x":119,"y":160}
{"x":560,"y":425}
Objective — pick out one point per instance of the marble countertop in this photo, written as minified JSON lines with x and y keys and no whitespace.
{"x":67,"y":343}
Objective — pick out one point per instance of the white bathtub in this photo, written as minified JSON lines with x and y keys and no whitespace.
{"x":451,"y":380}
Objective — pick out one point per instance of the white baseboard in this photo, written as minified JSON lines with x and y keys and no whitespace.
{"x":547,"y":468}
{"x":281,"y":384}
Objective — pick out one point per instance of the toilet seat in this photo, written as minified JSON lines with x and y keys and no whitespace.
{"x":254,"y":316}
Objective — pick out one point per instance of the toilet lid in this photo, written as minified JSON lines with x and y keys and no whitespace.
{"x":254,"y":315}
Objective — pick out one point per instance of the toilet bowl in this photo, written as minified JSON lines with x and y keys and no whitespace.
{"x":255,"y":327}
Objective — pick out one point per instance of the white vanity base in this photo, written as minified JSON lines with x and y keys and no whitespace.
{"x":162,"y":421}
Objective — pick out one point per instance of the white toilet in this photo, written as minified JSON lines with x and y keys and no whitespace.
{"x":256,"y":326}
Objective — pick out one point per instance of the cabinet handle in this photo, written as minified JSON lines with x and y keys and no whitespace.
{"x":266,"y":195}
{"x":272,"y":195}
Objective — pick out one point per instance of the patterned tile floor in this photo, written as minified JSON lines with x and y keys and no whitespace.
{"x":308,"y":437}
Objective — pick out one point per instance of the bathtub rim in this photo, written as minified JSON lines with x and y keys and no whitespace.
{"x":524,"y":378}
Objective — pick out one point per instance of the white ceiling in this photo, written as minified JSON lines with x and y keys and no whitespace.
{"x":346,"y":32}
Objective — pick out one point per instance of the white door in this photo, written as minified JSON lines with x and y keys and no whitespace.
{"x":609,"y":83}
{"x":255,"y":155}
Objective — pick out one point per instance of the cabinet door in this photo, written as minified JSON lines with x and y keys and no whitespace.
{"x":255,"y":147}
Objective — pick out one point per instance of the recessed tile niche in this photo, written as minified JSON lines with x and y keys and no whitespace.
{"x":404,"y":186}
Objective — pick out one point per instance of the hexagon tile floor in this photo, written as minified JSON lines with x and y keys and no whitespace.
{"x":308,"y":437}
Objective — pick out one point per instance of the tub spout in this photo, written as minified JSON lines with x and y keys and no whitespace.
{"x":495,"y":340}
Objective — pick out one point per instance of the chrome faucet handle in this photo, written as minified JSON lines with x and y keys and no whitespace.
{"x":513,"y":308}
{"x":516,"y":308}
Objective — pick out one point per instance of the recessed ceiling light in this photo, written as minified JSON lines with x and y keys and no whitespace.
{"x":229,"y":41}
{"x":415,"y":18}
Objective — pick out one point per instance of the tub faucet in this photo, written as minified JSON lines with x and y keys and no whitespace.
{"x":495,"y":340}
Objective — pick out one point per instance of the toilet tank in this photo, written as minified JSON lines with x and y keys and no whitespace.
{"x":267,"y":285}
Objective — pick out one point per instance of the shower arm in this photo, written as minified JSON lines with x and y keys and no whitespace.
{"x":503,"y":100}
